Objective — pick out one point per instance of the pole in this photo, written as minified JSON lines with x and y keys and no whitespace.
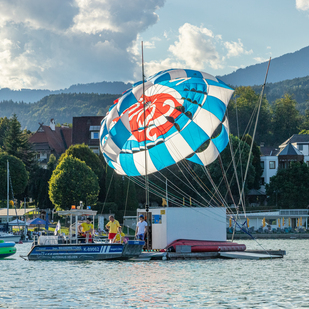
{"x":7,"y":190}
{"x":166,"y":192}
{"x":145,"y":144}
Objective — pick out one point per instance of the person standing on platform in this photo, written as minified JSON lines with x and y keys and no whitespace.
{"x":141,"y":228}
{"x":112,"y":227}
{"x":86,"y":230}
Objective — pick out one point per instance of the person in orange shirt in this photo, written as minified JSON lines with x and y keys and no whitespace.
{"x":112,"y":227}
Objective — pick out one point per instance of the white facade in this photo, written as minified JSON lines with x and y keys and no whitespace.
{"x":194,"y":223}
{"x":283,"y":218}
{"x":270,"y":167}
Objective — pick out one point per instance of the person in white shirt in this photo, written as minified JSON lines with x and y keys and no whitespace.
{"x":141,"y":228}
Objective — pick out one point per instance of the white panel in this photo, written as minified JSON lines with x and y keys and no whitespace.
{"x":110,"y":117}
{"x":223,"y":94}
{"x":138,"y":90}
{"x":111,"y":149}
{"x":178,"y":147}
{"x":206,"y":121}
{"x":208,"y":76}
{"x":174,"y":74}
{"x":209,"y":155}
{"x":139,"y":160}
{"x":194,"y":223}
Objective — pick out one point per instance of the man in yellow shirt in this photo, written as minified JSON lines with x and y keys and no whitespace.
{"x":86,"y":230}
{"x":112,"y":227}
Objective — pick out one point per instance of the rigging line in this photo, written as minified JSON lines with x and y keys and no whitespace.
{"x":217,"y":191}
{"x":125,"y":208}
{"x":11,"y":185}
{"x":179,"y":201}
{"x":110,"y":182}
{"x":225,"y":180}
{"x":255,"y":126}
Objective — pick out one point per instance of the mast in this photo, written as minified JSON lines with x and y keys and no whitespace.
{"x":253,"y":137}
{"x":146,"y":172}
{"x":7,"y":190}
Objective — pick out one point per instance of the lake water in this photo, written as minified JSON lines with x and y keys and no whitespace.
{"x":279,"y":283}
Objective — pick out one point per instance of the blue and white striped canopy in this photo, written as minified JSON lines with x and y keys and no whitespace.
{"x":183,"y":109}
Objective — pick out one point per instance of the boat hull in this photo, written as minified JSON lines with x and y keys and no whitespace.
{"x":8,"y":237}
{"x":82,"y":252}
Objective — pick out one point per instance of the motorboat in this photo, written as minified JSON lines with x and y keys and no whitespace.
{"x":59,"y":247}
{"x":9,"y":237}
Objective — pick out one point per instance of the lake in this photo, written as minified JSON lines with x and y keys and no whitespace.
{"x":279,"y":283}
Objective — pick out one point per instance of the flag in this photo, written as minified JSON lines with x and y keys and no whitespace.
{"x":58,"y":227}
{"x":46,"y":219}
{"x":230,"y":222}
{"x":264,"y":222}
{"x":248,"y":222}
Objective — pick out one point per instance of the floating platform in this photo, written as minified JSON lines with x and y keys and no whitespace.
{"x":248,"y":255}
{"x":252,"y":255}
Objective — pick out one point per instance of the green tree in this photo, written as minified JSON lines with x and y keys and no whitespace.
{"x":16,"y":143}
{"x":241,"y":152}
{"x":240,"y":114}
{"x":289,"y":187}
{"x":95,"y":162}
{"x":38,"y":183}
{"x":256,"y":161}
{"x":73,"y":181}
{"x":4,"y":126}
{"x":286,"y":119}
{"x":18,"y":175}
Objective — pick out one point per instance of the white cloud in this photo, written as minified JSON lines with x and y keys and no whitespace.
{"x":55,"y":43}
{"x":302,"y":5}
{"x":196,"y":47}
{"x":236,"y":49}
{"x":260,"y":59}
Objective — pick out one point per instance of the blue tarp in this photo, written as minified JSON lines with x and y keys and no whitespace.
{"x":36,"y":221}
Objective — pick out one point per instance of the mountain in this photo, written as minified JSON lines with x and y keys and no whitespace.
{"x":34,"y":95}
{"x":288,"y":66}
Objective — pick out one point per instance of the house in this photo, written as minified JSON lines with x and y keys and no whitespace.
{"x":49,"y":140}
{"x":295,"y":149}
{"x":86,"y":130}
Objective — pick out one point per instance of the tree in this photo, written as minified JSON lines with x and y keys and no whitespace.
{"x":16,"y":143}
{"x":84,"y":153}
{"x":18,"y":175}
{"x":256,"y":161}
{"x":289,"y":188}
{"x":245,"y":104}
{"x":38,"y":183}
{"x":241,"y":152}
{"x":286,"y":119}
{"x":73,"y":181}
{"x":4,"y":126}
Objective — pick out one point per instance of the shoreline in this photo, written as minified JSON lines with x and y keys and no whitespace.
{"x":269,"y":236}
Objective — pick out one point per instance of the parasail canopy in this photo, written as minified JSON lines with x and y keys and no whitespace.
{"x":183,"y":118}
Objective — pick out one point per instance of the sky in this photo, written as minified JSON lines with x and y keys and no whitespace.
{"x":53,"y":44}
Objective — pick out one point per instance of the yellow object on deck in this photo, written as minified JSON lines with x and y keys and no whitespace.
{"x":282,"y":222}
{"x":289,"y":222}
{"x":279,"y":223}
{"x":248,"y":222}
{"x":264,"y":222}
{"x":230,"y":222}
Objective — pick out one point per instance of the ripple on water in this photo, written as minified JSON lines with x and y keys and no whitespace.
{"x":280,"y":283}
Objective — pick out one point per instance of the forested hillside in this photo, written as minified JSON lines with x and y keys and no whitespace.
{"x":298,"y":88}
{"x":61,"y":107}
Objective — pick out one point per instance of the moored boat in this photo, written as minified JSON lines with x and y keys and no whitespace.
{"x":74,"y":248}
{"x":9,"y":237}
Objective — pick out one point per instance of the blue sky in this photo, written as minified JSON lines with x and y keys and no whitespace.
{"x":52,"y":44}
